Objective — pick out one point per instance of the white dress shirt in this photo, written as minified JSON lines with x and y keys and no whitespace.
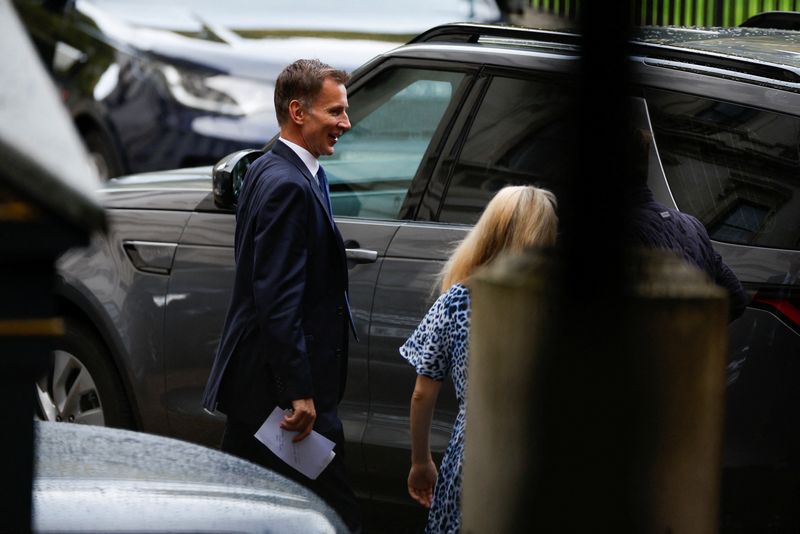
{"x":307,"y":157}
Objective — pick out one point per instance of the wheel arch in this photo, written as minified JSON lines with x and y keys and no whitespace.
{"x":70,"y":304}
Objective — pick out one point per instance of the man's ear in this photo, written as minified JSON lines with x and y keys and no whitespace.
{"x":296,"y":112}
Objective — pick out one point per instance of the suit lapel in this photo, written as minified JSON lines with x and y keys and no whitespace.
{"x":288,"y":154}
{"x":283,"y":151}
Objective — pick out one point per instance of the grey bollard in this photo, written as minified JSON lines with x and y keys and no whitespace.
{"x":594,"y":414}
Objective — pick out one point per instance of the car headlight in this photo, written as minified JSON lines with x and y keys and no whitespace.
{"x":218,"y":93}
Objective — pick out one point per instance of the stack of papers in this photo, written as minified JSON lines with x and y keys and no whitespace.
{"x":310,"y":456}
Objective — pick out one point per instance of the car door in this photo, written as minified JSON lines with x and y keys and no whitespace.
{"x":509,"y":129}
{"x":396,"y":114}
{"x":197,"y":299}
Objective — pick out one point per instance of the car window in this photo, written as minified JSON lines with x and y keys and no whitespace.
{"x":733,"y":167}
{"x":519,"y":127}
{"x":393,"y":119}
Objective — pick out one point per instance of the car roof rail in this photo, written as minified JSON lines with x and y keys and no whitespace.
{"x":776,"y":20}
{"x":465,"y":32}
{"x":702,"y":58}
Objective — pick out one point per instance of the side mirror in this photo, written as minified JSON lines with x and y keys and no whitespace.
{"x":228,"y":174}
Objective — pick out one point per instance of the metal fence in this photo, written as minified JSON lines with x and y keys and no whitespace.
{"x":678,"y":12}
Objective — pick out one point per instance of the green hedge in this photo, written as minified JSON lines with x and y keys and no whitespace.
{"x":680,"y":12}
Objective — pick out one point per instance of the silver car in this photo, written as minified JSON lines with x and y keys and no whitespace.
{"x":92,"y":479}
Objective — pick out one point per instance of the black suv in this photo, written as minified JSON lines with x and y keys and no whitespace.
{"x":439,"y":125}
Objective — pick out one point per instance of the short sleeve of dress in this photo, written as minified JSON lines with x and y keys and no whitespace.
{"x":429,"y":349}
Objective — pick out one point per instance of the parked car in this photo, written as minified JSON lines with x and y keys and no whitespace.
{"x":157,"y":85}
{"x":439,"y":125}
{"x":93,"y":479}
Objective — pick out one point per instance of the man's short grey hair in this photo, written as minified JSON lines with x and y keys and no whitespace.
{"x":302,"y":81}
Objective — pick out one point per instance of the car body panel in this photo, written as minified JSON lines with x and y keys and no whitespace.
{"x":403,"y":295}
{"x":661,"y":74}
{"x":105,"y":278}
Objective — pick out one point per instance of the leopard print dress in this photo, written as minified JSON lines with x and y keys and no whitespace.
{"x":438,"y":348}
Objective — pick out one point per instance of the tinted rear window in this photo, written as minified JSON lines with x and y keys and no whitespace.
{"x":516,"y":138}
{"x":735,"y":168}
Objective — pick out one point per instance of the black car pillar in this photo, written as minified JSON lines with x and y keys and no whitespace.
{"x":29,"y":324}
{"x":46,"y":207}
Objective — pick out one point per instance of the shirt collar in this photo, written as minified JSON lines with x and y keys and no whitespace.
{"x":310,"y":161}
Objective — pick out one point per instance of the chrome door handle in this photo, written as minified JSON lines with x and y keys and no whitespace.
{"x":361,"y":255}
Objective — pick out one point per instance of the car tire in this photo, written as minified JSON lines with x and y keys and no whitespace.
{"x":82,"y":384}
{"x":102,"y":155}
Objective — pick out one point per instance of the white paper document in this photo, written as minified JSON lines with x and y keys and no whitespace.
{"x":310,"y":456}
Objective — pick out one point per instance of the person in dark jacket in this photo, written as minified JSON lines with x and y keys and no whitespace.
{"x":657,"y":226}
{"x":284,"y":343}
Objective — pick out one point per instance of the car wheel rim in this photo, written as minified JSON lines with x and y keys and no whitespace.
{"x":68,"y":393}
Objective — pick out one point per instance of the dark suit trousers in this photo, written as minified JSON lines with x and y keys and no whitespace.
{"x":331,"y":485}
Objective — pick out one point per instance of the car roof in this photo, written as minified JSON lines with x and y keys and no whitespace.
{"x":777,"y":47}
{"x":773,"y":55}
{"x":99,"y":479}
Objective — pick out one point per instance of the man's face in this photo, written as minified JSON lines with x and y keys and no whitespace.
{"x":326,"y":119}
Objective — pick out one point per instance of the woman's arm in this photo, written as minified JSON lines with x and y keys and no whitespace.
{"x":422,"y":477}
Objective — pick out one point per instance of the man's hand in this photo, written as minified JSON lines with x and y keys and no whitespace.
{"x":301,"y":419}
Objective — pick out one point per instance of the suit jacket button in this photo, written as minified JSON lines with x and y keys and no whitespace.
{"x":340,"y":311}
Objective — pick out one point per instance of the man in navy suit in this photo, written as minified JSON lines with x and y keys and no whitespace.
{"x":285,"y":337}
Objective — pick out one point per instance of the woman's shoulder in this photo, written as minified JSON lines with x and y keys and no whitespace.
{"x":457,"y":291}
{"x":456,"y":298}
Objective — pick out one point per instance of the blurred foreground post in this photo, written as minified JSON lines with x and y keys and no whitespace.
{"x":596,"y":379}
{"x":610,"y":423}
{"x":46,"y":207}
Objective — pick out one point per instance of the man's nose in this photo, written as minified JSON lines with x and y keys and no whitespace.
{"x":344,"y":124}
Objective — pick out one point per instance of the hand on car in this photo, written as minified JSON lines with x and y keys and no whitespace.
{"x":421,"y":480}
{"x":301,"y":420}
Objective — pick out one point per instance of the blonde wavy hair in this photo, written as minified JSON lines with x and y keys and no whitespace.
{"x":517,"y":217}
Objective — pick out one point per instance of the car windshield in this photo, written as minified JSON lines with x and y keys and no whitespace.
{"x":353,"y":16}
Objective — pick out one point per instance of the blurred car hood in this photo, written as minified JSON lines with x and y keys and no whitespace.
{"x":408,"y":17}
{"x":97,"y":479}
{"x":215,"y":46}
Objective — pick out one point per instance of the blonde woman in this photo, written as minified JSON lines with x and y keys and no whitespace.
{"x":517,"y":217}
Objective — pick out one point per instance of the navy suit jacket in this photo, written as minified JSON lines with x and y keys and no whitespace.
{"x":286,"y":331}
